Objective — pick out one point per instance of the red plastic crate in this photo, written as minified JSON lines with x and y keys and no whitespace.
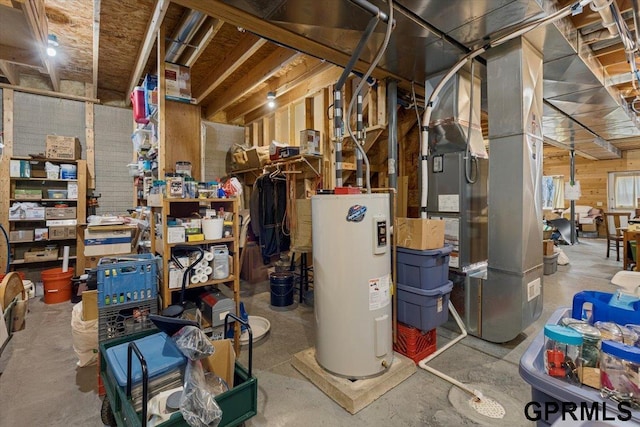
{"x":414,"y":343}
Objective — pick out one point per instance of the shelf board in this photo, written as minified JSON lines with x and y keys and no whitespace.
{"x":27,"y":220}
{"x":202,"y":242}
{"x":231,"y":278}
{"x":43,"y":179}
{"x":208,"y":200}
{"x":41,"y":241}
{"x":21,"y":261}
{"x":43,"y":200}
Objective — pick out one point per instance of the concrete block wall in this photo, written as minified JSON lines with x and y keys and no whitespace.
{"x":113,"y":151}
{"x":36,"y":116}
{"x":219,"y":138}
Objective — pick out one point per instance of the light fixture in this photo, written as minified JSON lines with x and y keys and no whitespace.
{"x":271,"y":96}
{"x":52,"y":44}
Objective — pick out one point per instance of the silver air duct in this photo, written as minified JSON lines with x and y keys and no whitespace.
{"x":449,"y":124}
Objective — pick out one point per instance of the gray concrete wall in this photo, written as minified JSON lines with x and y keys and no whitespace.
{"x":219,"y":138}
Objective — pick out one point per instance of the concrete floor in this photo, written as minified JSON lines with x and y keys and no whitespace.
{"x":41,"y":385}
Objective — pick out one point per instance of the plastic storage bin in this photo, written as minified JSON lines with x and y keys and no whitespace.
{"x":424,"y":309}
{"x":551,"y":263}
{"x":619,"y":366}
{"x":547,"y":390}
{"x":602,"y":311}
{"x":423,"y":269}
{"x":563,"y":353}
{"x":127,"y":279}
{"x":161,"y":354}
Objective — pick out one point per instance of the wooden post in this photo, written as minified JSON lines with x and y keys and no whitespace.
{"x":162,"y":91}
{"x":90,"y":141}
{"x":7,"y":138}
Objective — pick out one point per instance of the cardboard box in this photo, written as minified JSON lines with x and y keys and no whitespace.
{"x":89,"y":305}
{"x":63,"y":147}
{"x":222,"y":362}
{"x":62,"y":232}
{"x":107,"y":242}
{"x":57,"y":222}
{"x":178,"y":80}
{"x":21,"y":236}
{"x":35,"y":213}
{"x":420,"y":234}
{"x":301,"y":234}
{"x":27,"y":194}
{"x":310,"y":142}
{"x":60,"y":213}
{"x":19,"y":169}
{"x":547,"y":247}
{"x":72,"y":190}
{"x":41,"y":234}
{"x":41,"y":254}
{"x":175,"y":234}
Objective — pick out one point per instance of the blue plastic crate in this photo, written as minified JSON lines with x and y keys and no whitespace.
{"x":127,"y":279}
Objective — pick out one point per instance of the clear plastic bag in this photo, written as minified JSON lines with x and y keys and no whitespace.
{"x":197,"y":404}
{"x":193,"y":343}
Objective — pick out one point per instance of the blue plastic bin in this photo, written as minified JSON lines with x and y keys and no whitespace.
{"x":548,"y":390}
{"x":602,"y":311}
{"x":427,"y":269}
{"x":160,"y":352}
{"x":424,"y":309}
{"x":126,"y":279}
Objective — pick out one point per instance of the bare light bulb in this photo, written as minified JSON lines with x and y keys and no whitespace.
{"x":51,"y":51}
{"x":271,"y":104}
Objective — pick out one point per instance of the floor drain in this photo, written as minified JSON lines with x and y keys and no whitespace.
{"x":487,"y":407}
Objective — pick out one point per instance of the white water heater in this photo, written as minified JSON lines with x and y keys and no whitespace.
{"x":352,"y":284}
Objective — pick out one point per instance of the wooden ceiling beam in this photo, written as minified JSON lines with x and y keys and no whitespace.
{"x":280,"y":35}
{"x":617,"y":57}
{"x":34,"y":13}
{"x":246,"y":47}
{"x":20,"y":56}
{"x":146,"y":46}
{"x":262,"y":72}
{"x":96,"y":46}
{"x":307,"y":88}
{"x":609,"y":49}
{"x":588,"y":17}
{"x":280,"y":86}
{"x":10,"y":72}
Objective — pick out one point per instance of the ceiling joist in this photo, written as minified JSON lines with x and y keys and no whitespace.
{"x":96,"y":46}
{"x":246,"y":47}
{"x":281,"y":57}
{"x":208,"y":36}
{"x":21,"y":56}
{"x":10,"y":72}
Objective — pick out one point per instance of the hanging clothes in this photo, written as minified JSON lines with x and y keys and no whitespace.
{"x":268,"y":213}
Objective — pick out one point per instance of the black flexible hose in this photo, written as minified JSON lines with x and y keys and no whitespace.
{"x":6,"y":236}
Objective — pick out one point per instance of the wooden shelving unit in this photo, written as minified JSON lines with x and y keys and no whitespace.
{"x":184,"y":208}
{"x":30,"y":224}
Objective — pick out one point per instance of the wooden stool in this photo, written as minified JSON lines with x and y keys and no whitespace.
{"x":304,"y":268}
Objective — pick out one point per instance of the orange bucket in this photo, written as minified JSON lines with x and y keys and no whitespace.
{"x":57,"y":285}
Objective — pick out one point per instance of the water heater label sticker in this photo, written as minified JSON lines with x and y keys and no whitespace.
{"x":379,"y":292}
{"x":356,"y":213}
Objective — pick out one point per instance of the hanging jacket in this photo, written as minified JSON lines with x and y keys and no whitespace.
{"x":268,"y":210}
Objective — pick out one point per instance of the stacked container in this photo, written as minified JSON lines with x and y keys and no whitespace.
{"x":563,"y":353}
{"x":619,"y":367}
{"x":423,"y":287}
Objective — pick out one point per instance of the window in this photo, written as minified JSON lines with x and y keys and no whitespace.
{"x":625,"y":189}
{"x":553,"y":192}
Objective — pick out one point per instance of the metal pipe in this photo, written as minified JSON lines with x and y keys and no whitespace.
{"x":636,"y":18}
{"x":337,"y":129}
{"x":572,"y":175}
{"x":372,"y":9}
{"x":392,"y":115}
{"x":183,"y":35}
{"x":368,"y":32}
{"x":602,"y":7}
{"x":359,"y":139}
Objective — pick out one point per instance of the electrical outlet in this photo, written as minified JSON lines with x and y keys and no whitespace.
{"x":598,"y":203}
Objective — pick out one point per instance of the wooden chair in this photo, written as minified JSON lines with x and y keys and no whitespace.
{"x":613,"y":222}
